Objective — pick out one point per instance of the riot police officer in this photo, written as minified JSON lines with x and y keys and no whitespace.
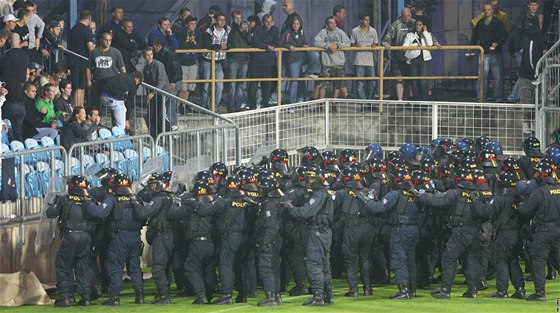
{"x":160,"y":234}
{"x":544,"y":207}
{"x":73,"y":254}
{"x":318,"y":210}
{"x":125,"y":245}
{"x":268,"y":240}
{"x":404,"y":217}
{"x":231,"y":223}
{"x":220,"y":172}
{"x":532,"y":157}
{"x":464,"y":233}
{"x":279,"y":167}
{"x":356,"y":231}
{"x":507,"y":245}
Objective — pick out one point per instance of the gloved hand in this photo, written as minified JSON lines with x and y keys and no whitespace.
{"x":180,"y":188}
{"x":288,"y":204}
{"x":55,"y":201}
{"x":372,"y":195}
{"x":362,"y":197}
{"x":177,"y":200}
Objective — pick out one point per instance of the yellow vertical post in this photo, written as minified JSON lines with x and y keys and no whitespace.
{"x":381,"y":75}
{"x":213,"y":77}
{"x":279,"y":82}
{"x":481,"y":76}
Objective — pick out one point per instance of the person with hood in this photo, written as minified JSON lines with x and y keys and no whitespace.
{"x":331,"y":38}
{"x":532,"y":52}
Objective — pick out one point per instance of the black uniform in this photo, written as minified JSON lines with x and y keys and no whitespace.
{"x":464,"y":235}
{"x":231,"y":222}
{"x":74,"y":251}
{"x":200,"y":263}
{"x":319,"y":213}
{"x":160,"y":235}
{"x":544,"y":207}
{"x":100,"y":241}
{"x":126,"y":245}
{"x":380,"y":242}
{"x":507,"y":246}
{"x":268,"y":243}
{"x":296,"y":234}
{"x":357,"y":230}
{"x":528,"y":165}
{"x":404,"y":218}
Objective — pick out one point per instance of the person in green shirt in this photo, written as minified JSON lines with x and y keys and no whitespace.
{"x":46,"y":107}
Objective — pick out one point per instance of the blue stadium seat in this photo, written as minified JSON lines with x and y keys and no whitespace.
{"x":102,"y":160}
{"x":7,"y":136}
{"x":146,"y":153}
{"x":164,"y":156}
{"x":31,"y":144}
{"x":44,"y":173}
{"x":32,"y":182}
{"x":121,"y":145}
{"x":74,"y":166}
{"x":104,"y":133}
{"x":17,"y":146}
{"x":59,"y":167}
{"x":6,"y":148}
{"x":48,"y":142}
{"x":130,"y":164}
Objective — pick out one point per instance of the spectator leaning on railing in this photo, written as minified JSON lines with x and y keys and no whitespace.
{"x":419,"y":59}
{"x":238,"y":62}
{"x":364,"y":36}
{"x":189,"y":61}
{"x":293,"y":38}
{"x":331,"y":38}
{"x":215,"y":38}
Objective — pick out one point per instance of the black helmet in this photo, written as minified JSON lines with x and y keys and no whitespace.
{"x":348,"y":156}
{"x":402,"y":179}
{"x":377,"y":168}
{"x":155,"y":182}
{"x":480,"y":180}
{"x":488,"y":158}
{"x":205,"y":176}
{"x":393,"y":155}
{"x":314,"y":178}
{"x":330,"y":161}
{"x":122,"y":185}
{"x":480,"y":143}
{"x":310,"y":156}
{"x":279,"y":160}
{"x":470,"y":142}
{"x":263,"y":173}
{"x":166,"y":178}
{"x":469,"y":164}
{"x":270,"y":186}
{"x":106,"y":176}
{"x":443,"y":171}
{"x":508,"y":180}
{"x":234,"y":186}
{"x":470,"y":155}
{"x":544,"y":170}
{"x":78,"y":186}
{"x":428,"y":165}
{"x":510,"y":165}
{"x":421,"y":180}
{"x":219,"y":171}
{"x":351,"y":177}
{"x":239,"y":169}
{"x":397,"y":163}
{"x":249,"y":180}
{"x":201,"y":189}
{"x":299,"y":175}
{"x":464,"y":178}
{"x":447,"y":145}
{"x":532,"y":147}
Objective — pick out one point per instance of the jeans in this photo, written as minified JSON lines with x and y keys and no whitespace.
{"x":237,"y":69}
{"x":171,"y":105}
{"x":365,"y":87}
{"x":312,"y":62}
{"x":419,"y":67}
{"x":46,"y":131}
{"x":515,"y":91}
{"x":206,"y":74}
{"x":292,"y":71}
{"x":119,"y":110}
{"x":494,"y":63}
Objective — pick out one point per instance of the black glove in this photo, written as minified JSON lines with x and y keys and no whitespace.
{"x":288,"y":204}
{"x":362,"y":197}
{"x":180,"y":188}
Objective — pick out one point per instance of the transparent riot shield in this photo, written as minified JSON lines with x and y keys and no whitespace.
{"x":186,"y":173}
{"x":150,"y":166}
{"x":47,"y":226}
{"x":263,"y":151}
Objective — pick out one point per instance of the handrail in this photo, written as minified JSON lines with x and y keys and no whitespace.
{"x":545,"y":56}
{"x":74,"y":53}
{"x":381,"y":76}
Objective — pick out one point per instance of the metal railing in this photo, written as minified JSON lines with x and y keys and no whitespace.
{"x":381,"y":60}
{"x":341,"y":123}
{"x":547,"y":92}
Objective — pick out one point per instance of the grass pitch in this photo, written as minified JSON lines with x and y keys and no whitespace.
{"x":379,"y":302}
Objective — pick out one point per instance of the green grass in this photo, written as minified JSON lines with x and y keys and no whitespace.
{"x":379,"y":302}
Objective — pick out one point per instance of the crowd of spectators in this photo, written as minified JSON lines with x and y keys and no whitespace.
{"x":45,"y":85}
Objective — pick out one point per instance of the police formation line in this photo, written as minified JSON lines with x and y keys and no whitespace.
{"x":419,"y":209}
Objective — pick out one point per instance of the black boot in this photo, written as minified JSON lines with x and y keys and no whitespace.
{"x":482,"y":284}
{"x":139,"y":296}
{"x":368,"y":291}
{"x":112,"y":301}
{"x":353,"y":293}
{"x":412,"y":290}
{"x":519,"y":293}
{"x":241,"y":298}
{"x":402,"y":294}
{"x":84,"y":302}
{"x":441,"y":293}
{"x":200,"y":300}
{"x":298,"y":290}
{"x":278,"y":298}
{"x":96,"y":292}
{"x":162,"y":298}
{"x":538,"y":296}
{"x":551,"y":275}
{"x":62,"y":302}
{"x":498,"y":295}
{"x":328,"y":297}
{"x":471,"y":292}
{"x":223,"y":299}
{"x":317,"y":299}
{"x":270,"y":299}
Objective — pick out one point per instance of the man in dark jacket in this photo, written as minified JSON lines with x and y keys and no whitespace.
{"x":118,"y":89}
{"x":238,"y":62}
{"x":168,"y":57}
{"x":262,"y":64}
{"x":189,"y":39}
{"x":128,"y":42}
{"x":532,"y":52}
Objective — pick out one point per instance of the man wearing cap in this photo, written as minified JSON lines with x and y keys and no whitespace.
{"x":34,"y":71}
{"x":50,"y":45}
{"x":10,"y":22}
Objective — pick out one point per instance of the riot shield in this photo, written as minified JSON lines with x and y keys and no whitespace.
{"x":263,"y":151}
{"x":47,"y":226}
{"x":150,"y":166}
{"x":186,"y":173}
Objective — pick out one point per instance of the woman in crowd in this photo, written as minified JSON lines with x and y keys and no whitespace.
{"x":418,"y":59}
{"x":74,"y":131}
{"x":291,"y":39}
